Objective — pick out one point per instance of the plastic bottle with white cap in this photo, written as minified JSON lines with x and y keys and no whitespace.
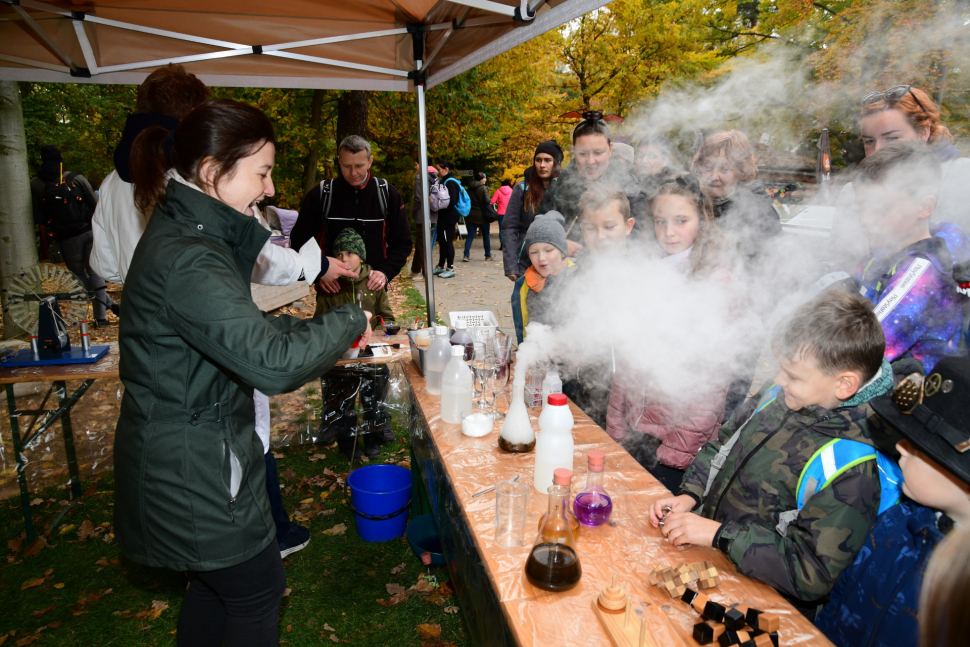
{"x":436,"y":358}
{"x":554,"y":444}
{"x":550,"y":384}
{"x":456,"y":388}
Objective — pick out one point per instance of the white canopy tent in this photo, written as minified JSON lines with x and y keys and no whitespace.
{"x":381,"y":45}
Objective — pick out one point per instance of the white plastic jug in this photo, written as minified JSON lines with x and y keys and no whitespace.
{"x":554,"y":444}
{"x":435,"y":359}
{"x":456,"y":388}
{"x":550,"y":384}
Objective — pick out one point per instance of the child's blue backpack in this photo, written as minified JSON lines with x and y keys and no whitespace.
{"x":464,"y":202}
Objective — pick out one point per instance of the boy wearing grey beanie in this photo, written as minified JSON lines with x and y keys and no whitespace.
{"x":534,"y":292}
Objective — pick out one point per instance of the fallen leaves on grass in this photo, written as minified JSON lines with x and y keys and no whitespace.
{"x":66,"y":528}
{"x":440,"y":594}
{"x":59,"y":585}
{"x":27,"y":640}
{"x":429,"y":631}
{"x":41,"y":612}
{"x":15,"y":545}
{"x":451,"y":609}
{"x":334,"y":638}
{"x":327,"y":627}
{"x":397,"y":569}
{"x":102,"y":562}
{"x":278,"y":455}
{"x":85,"y":530}
{"x":29,"y":584}
{"x":286,"y":592}
{"x":36,"y":502}
{"x":36,"y":546}
{"x":317,"y":457}
{"x":338,"y":529}
{"x":156,"y":610}
{"x":423,"y":587}
{"x":394,"y":589}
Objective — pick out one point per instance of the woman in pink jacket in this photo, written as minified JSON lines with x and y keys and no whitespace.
{"x":501,"y":201}
{"x":663,"y":433}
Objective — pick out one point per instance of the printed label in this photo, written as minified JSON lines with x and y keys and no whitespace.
{"x":891,"y":300}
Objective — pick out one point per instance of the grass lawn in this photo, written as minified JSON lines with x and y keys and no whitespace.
{"x":84,"y":592}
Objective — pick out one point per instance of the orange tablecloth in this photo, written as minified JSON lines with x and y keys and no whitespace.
{"x":630,"y":548}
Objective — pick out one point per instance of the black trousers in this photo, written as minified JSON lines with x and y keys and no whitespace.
{"x":77,"y":252}
{"x":417,"y":263}
{"x":238,"y":605}
{"x":446,"y":242}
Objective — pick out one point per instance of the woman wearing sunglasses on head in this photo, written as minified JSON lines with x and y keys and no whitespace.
{"x":905,"y":113}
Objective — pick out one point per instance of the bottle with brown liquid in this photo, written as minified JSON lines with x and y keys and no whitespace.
{"x":562,"y":476}
{"x":553,"y":564}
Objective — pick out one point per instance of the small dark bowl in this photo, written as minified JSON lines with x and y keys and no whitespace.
{"x":392,"y":328}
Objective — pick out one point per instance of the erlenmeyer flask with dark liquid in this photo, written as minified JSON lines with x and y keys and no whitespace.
{"x":553,"y":564}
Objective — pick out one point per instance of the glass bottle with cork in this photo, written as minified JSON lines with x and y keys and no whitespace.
{"x":562,"y":476}
{"x":553,"y":564}
{"x":593,"y":506}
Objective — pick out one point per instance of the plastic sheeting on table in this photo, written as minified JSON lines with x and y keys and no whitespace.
{"x":500,"y":605}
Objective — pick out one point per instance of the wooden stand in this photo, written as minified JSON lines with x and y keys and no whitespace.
{"x":614,"y":608}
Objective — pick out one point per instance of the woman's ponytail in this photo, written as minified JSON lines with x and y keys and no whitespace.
{"x":149,"y":166}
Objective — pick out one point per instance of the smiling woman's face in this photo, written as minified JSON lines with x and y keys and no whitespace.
{"x":249,"y":183}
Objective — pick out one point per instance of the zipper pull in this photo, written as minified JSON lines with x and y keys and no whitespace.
{"x":232,"y":506}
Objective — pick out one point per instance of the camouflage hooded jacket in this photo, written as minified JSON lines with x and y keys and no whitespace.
{"x":758,"y":483}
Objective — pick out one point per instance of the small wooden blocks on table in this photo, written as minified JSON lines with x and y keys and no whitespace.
{"x":675,"y":580}
{"x":740,"y":626}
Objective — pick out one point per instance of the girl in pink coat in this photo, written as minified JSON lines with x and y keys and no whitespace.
{"x":662,"y":434}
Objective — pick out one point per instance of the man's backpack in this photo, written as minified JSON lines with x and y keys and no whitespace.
{"x":64,"y":208}
{"x":438,"y":196}
{"x":464,"y":204}
{"x":326,"y":194}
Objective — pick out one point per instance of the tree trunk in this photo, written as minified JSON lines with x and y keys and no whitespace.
{"x":352,"y":115}
{"x":17,"y":246}
{"x":313,"y":157}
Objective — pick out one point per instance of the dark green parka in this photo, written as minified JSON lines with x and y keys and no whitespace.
{"x":190,"y":484}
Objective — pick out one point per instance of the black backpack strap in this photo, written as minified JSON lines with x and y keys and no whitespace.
{"x":382,"y":195}
{"x":326,"y":193}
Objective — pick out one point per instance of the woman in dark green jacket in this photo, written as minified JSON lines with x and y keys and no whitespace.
{"x":190,"y":490}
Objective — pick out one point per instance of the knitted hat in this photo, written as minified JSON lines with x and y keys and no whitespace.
{"x":624,"y":152}
{"x":548,"y":228}
{"x":349,"y":240}
{"x":551,"y":148}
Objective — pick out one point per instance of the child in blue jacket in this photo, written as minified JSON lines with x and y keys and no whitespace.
{"x":875,"y":603}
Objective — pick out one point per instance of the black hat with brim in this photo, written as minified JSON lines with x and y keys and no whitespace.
{"x":940,"y":425}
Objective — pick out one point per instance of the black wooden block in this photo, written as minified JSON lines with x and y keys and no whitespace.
{"x":714,"y":611}
{"x":703,"y":633}
{"x":734,"y":619}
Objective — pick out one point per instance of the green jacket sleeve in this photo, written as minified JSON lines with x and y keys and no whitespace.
{"x":823,"y":540}
{"x":210,"y":307}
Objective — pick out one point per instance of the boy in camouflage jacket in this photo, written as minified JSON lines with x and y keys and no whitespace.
{"x":831,"y":364}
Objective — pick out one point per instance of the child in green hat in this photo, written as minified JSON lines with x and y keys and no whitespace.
{"x":349,"y":248}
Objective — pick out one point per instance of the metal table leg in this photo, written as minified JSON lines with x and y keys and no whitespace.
{"x":68,"y":431}
{"x":21,"y":465}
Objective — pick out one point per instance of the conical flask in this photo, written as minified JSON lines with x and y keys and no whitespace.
{"x":553,"y":564}
{"x":517,"y":434}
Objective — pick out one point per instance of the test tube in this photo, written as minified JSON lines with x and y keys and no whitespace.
{"x":34,"y":347}
{"x":85,"y":337}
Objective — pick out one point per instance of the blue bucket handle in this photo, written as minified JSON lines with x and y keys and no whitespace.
{"x":370,"y":517}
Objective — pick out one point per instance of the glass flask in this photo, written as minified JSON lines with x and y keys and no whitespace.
{"x":517,"y":434}
{"x":553,"y":564}
{"x":593,"y":505}
{"x":562,"y":476}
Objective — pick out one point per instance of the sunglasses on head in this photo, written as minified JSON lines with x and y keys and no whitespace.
{"x":892,"y":95}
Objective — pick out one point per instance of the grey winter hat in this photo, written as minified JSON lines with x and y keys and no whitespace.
{"x":548,"y":228}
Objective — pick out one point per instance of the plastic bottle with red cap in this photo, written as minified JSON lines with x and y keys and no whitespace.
{"x":593,"y":506}
{"x":554,"y":444}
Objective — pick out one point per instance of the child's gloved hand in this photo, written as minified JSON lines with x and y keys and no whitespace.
{"x":682,"y":503}
{"x":682,"y":528}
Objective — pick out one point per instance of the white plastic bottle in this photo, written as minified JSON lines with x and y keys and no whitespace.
{"x":554,"y":445}
{"x":435,"y":359}
{"x":456,"y":388}
{"x":550,"y":384}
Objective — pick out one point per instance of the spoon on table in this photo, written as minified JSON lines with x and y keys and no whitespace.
{"x":489,"y":489}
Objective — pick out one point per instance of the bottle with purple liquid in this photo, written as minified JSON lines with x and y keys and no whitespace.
{"x":593,"y":505}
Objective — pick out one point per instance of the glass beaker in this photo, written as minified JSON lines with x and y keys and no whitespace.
{"x":511,"y":501}
{"x":553,"y":564}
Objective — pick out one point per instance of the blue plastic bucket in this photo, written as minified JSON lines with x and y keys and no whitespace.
{"x":380,"y":497}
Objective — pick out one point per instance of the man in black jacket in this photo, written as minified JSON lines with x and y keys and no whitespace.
{"x":367,"y":204}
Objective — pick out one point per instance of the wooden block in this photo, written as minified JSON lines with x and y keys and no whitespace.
{"x":768,"y":622}
{"x":700,"y":603}
{"x":731,"y":637}
{"x":656,"y":577}
{"x":704,"y":633}
{"x":762,"y":640}
{"x":624,"y":633}
{"x":751,"y":617}
{"x":714,"y":611}
{"x":689,"y":596}
{"x":733,"y":619}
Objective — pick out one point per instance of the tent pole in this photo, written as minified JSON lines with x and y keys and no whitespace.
{"x":426,"y":204}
